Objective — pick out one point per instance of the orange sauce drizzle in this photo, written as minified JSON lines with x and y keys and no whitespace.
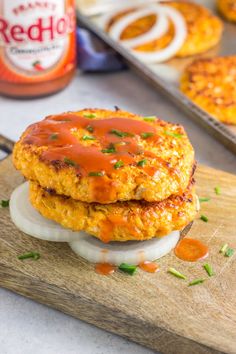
{"x":105,"y":268}
{"x":113,"y":221}
{"x":191,"y":250}
{"x":150,"y":267}
{"x":87,"y":159}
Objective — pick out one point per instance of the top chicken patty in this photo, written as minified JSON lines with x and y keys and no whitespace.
{"x":106,"y":156}
{"x":204,"y":29}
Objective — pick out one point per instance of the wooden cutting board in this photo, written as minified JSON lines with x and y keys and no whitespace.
{"x":156,"y":310}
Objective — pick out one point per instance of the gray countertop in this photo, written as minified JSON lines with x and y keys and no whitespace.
{"x":27,"y":327}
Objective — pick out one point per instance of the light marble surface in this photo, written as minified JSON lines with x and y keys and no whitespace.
{"x":27,"y":327}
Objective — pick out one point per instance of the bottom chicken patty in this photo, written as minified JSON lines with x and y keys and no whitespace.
{"x":121,"y":221}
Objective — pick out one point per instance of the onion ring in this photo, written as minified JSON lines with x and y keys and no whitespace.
{"x":131,"y":252}
{"x":158,"y":29}
{"x":164,"y":13}
{"x":29,"y":221}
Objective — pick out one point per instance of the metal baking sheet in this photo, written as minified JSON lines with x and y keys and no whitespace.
{"x":169,"y":84}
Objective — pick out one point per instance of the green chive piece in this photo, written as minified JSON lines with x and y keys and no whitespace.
{"x":96,"y":174}
{"x":89,"y":115}
{"x":127,"y":268}
{"x":229,"y":252}
{"x":217,"y":190}
{"x":150,"y":119}
{"x":196,"y":282}
{"x":177,"y":274}
{"x":146,"y":135}
{"x":118,"y":164}
{"x":204,"y":218}
{"x":90,"y":129}
{"x":88,"y":137}
{"x":208,"y":268}
{"x":111,"y":149}
{"x":203,"y":200}
{"x":69,"y":162}
{"x":4,"y":203}
{"x":34,"y":255}
{"x":224,"y":248}
{"x":54,"y":136}
{"x":174,"y":135}
{"x":120,"y":134}
{"x":142,"y":163}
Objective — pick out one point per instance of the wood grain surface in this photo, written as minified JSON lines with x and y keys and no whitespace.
{"x":156,"y":310}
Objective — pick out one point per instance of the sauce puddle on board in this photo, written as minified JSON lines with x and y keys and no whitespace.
{"x":191,"y":250}
{"x":149,"y":267}
{"x":105,"y":268}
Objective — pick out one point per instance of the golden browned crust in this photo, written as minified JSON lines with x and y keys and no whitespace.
{"x":210,"y":83}
{"x":129,"y":182}
{"x":122,"y":221}
{"x":204,"y":29}
{"x":228,"y":9}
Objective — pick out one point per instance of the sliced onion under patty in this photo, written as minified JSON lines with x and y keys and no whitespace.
{"x":28,"y":220}
{"x":131,"y":252}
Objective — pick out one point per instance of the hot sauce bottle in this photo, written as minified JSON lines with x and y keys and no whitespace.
{"x":37,"y":46}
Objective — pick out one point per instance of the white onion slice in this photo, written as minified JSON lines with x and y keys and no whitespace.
{"x":28,"y":220}
{"x":155,"y":32}
{"x":131,"y":252}
{"x":158,"y":29}
{"x":175,"y":45}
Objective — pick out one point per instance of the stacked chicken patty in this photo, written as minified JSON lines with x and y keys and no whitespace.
{"x":113,"y":174}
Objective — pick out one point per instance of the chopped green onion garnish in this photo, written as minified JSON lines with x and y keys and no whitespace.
{"x":4,"y":203}
{"x":203,"y":200}
{"x":204,"y":218}
{"x":229,"y":252}
{"x":118,"y":164}
{"x":208,"y":268}
{"x":88,"y":137}
{"x":69,"y":162}
{"x":54,"y":136}
{"x":177,"y":274}
{"x":175,"y":135}
{"x":217,"y":190}
{"x":120,"y":134}
{"x":111,"y":149}
{"x":142,"y":163}
{"x":90,"y":129}
{"x":34,"y":255}
{"x":150,"y":119}
{"x":146,"y":135}
{"x":89,"y":115}
{"x":224,"y":248}
{"x":96,"y":174}
{"x":196,"y":282}
{"x":127,"y":268}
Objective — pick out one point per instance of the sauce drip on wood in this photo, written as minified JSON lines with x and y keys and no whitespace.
{"x":191,"y":250}
{"x":105,"y":268}
{"x":150,"y":267}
